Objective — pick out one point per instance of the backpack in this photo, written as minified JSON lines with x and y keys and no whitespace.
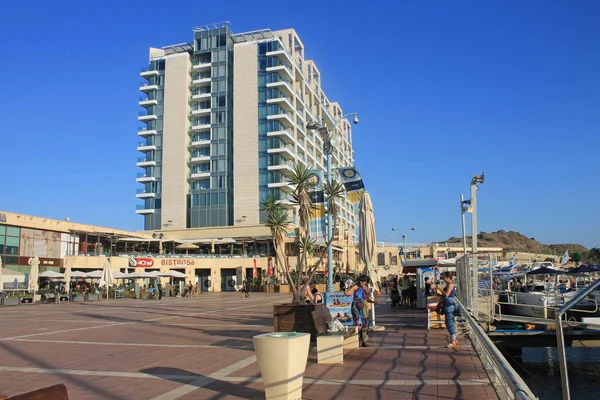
{"x":335,"y":326}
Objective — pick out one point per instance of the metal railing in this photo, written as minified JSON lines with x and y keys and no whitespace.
{"x":560,"y":339}
{"x":497,"y":367}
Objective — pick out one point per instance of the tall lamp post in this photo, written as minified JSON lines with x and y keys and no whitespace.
{"x":404,"y":241}
{"x":331,"y":140}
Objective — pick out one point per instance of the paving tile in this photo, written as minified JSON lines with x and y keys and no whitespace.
{"x":163,"y":345}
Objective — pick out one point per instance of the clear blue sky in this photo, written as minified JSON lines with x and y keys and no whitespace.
{"x":444,"y":89}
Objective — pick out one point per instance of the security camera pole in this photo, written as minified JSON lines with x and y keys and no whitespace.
{"x":330,"y":140}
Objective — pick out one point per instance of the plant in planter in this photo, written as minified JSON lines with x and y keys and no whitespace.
{"x":77,"y":296}
{"x":11,"y":299}
{"x":296,"y":316}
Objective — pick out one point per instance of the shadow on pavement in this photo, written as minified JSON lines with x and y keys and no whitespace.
{"x":223,"y":389}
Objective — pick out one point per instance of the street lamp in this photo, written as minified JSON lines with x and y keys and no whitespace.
{"x":475,"y":181}
{"x":330,"y":141}
{"x":404,"y":240}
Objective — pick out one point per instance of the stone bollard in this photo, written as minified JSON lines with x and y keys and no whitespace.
{"x":282,"y":358}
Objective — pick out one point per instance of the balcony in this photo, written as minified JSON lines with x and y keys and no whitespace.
{"x":200,"y":127}
{"x":201,"y":96}
{"x":281,"y":185}
{"x":200,"y":174}
{"x":143,"y":178}
{"x":283,"y":101}
{"x":201,"y":66}
{"x":201,"y":81}
{"x":141,"y":209}
{"x":144,"y":146}
{"x":146,"y":132}
{"x":282,"y":54}
{"x":199,"y":158}
{"x":283,"y":70}
{"x":282,"y":85}
{"x":201,"y":111}
{"x":143,"y":194}
{"x":282,"y":116}
{"x":286,"y":151}
{"x":143,"y":117}
{"x":147,"y":73}
{"x":146,"y":102}
{"x":287,"y":166}
{"x":147,"y":86}
{"x":284,"y":135}
{"x":200,"y":143}
{"x":143,"y":162}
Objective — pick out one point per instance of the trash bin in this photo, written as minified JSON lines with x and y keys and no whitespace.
{"x":282,"y":358}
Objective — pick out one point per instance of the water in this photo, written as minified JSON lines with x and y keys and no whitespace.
{"x":539,"y":368}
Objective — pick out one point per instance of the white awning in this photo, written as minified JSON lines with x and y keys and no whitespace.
{"x":140,"y":240}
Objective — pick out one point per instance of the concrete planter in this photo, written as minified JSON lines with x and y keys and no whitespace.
{"x":282,"y":289}
{"x":295,"y":318}
{"x":10,"y":301}
{"x":91,"y":297}
{"x":77,"y":297}
{"x":282,"y":360}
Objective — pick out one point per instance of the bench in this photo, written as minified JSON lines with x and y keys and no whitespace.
{"x":56,"y":392}
{"x":330,"y":346}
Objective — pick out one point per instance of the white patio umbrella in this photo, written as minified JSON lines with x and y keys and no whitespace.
{"x":51,"y":274}
{"x":34,"y":274}
{"x":366,"y":245}
{"x":68,"y":265}
{"x":107,"y":277}
{"x":79,"y":274}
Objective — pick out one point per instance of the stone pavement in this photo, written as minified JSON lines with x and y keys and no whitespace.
{"x":201,"y":348}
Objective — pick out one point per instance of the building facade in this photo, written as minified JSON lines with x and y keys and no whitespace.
{"x":224,"y":118}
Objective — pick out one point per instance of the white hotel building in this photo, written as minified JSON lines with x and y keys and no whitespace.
{"x":223,"y":117}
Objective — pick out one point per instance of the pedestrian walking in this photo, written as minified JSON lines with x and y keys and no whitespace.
{"x":160,"y":290}
{"x":360,"y":317}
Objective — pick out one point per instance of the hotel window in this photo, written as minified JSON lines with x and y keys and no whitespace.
{"x":380,"y":258}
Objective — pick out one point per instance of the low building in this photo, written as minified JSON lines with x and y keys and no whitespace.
{"x":217,"y":258}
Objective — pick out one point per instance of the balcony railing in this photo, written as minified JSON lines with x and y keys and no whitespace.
{"x":144,"y":159}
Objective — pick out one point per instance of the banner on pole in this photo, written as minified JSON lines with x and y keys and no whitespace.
{"x":352,"y":182}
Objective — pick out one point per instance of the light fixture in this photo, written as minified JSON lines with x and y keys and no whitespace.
{"x":335,"y":140}
{"x":355,"y":120}
{"x":478,"y":179}
{"x":312,"y":125}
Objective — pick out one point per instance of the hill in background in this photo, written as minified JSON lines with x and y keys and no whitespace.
{"x":515,"y":241}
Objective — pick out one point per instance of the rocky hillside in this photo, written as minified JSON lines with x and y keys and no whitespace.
{"x":514,"y":241}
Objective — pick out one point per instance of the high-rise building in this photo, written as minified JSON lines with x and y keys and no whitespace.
{"x":225,"y":116}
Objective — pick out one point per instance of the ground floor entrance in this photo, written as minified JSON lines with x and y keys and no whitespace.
{"x":228,"y":279}
{"x":203,"y":279}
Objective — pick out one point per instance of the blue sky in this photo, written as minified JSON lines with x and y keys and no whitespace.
{"x":444,"y":89}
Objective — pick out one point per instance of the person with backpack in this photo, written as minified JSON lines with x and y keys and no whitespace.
{"x":317,"y":296}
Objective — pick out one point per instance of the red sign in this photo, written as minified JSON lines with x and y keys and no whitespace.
{"x":144,"y":262}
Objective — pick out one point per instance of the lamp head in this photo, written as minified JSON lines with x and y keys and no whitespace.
{"x":477,"y":179}
{"x":355,"y":120}
{"x":312,"y":125}
{"x":335,"y":140}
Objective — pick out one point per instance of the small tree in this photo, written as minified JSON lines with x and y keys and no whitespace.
{"x":576,"y":257}
{"x":301,"y":178}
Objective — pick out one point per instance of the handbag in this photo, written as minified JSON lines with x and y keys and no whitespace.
{"x":440,"y":308}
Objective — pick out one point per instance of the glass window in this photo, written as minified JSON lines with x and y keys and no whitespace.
{"x":12,"y":245}
{"x":2,"y":230}
{"x":12,"y":231}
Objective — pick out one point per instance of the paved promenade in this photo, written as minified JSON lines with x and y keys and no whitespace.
{"x":201,"y":348}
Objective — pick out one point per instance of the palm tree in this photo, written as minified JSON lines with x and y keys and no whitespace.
{"x":334,"y":191}
{"x":302,"y":178}
{"x":278,"y":223}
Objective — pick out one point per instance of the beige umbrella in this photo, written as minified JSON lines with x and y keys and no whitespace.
{"x":107,"y":277}
{"x":68,"y":265}
{"x":367,"y":242}
{"x":34,"y":274}
{"x":1,"y":284}
{"x":187,"y":247}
